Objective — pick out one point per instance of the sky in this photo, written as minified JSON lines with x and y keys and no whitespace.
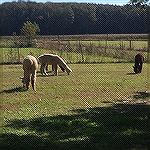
{"x":114,"y":2}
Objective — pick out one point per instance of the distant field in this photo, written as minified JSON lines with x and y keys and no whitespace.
{"x":125,"y":44}
{"x":137,"y":41}
{"x":92,"y":108}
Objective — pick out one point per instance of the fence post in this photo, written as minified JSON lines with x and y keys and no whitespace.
{"x":18,"y":54}
{"x":106,"y":44}
{"x":80,"y":49}
{"x":130,"y":44}
{"x":122,"y":46}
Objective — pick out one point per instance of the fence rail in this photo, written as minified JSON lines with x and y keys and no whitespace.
{"x":77,"y":49}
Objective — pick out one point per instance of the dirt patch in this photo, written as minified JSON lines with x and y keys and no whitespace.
{"x":10,"y":107}
{"x":89,"y":94}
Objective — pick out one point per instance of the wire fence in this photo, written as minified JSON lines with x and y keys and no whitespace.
{"x":79,"y":50}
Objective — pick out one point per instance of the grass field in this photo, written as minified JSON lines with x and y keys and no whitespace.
{"x":97,"y":55}
{"x":10,"y":55}
{"x":126,"y":44}
{"x":77,"y":49}
{"x":98,"y":106}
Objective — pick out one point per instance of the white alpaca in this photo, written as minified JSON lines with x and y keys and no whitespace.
{"x":30,"y":66}
{"x":54,"y":60}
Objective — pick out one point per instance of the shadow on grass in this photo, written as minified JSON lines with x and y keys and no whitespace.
{"x":59,"y":74}
{"x":131,"y":73}
{"x":142,"y":95}
{"x":17,"y":89}
{"x":120,"y":127}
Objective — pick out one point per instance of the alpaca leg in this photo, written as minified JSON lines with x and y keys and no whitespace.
{"x":46,"y":67}
{"x":26,"y":82}
{"x":43,"y":69}
{"x":27,"y":85}
{"x":33,"y":80}
{"x":140,"y":68}
{"x":136,"y":68}
{"x":33,"y":85}
{"x":55,"y":69}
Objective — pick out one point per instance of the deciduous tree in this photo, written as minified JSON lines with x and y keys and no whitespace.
{"x":30,"y":30}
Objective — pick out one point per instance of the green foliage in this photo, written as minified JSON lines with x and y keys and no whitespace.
{"x":72,"y":18}
{"x":30,"y":30}
{"x":138,"y":1}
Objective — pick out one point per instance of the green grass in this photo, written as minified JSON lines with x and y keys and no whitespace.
{"x":126,"y":44}
{"x":92,"y":51}
{"x":15,"y":55}
{"x":11,"y":55}
{"x":98,"y":106}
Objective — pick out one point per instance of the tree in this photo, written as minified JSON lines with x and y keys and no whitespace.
{"x":143,"y":2}
{"x":30,"y":30}
{"x":73,"y":18}
{"x":138,"y":2}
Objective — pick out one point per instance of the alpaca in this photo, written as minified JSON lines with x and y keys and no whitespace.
{"x":138,"y":63}
{"x":30,"y":66}
{"x":54,"y":60}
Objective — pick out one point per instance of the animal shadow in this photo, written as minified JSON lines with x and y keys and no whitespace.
{"x":48,"y":75}
{"x":131,"y":73}
{"x":17,"y":89}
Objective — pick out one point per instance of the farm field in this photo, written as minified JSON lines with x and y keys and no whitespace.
{"x":97,"y":106}
{"x":125,"y":43}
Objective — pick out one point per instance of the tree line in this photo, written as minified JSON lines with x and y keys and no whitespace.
{"x":73,"y":18}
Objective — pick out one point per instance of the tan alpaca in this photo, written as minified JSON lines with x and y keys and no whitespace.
{"x":30,"y":66}
{"x":54,"y":60}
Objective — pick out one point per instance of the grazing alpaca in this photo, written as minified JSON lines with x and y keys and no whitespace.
{"x":54,"y":60}
{"x":30,"y":66}
{"x":138,"y":63}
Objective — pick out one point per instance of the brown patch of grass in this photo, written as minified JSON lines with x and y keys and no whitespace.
{"x":10,"y":107}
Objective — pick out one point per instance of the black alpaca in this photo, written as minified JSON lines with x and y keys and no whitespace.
{"x":138,"y":63}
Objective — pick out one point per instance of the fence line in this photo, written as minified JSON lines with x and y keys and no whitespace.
{"x":79,"y":51}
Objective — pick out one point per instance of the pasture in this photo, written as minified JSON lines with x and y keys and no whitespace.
{"x":101,"y":105}
{"x":98,"y":106}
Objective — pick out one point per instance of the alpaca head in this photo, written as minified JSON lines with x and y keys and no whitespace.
{"x":68,"y":70}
